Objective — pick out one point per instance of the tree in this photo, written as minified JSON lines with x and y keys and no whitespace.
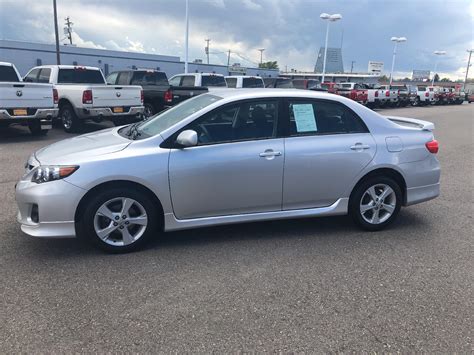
{"x":383,"y":79}
{"x":436,"y":77}
{"x":445,"y":80}
{"x":269,"y":65}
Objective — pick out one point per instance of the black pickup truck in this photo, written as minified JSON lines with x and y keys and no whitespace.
{"x":158,"y":94}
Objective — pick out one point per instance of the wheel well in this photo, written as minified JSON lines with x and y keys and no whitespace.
{"x":391,"y":173}
{"x":117,"y":184}
{"x":63,"y":102}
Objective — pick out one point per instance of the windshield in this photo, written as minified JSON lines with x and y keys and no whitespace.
{"x":169,"y":118}
{"x":213,"y":81}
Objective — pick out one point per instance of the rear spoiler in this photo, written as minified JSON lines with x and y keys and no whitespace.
{"x":424,"y":125}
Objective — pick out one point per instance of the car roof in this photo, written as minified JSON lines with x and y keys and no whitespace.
{"x":243,"y":76}
{"x":255,"y":93}
{"x":6,"y":64}
{"x":67,"y":67}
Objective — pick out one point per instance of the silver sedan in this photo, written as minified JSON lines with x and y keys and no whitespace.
{"x":229,"y":157}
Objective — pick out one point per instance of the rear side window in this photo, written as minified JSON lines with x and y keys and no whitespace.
{"x":213,"y":81}
{"x":311,"y":117}
{"x":44,"y":75}
{"x":8,"y":74}
{"x":149,"y":78}
{"x":231,"y":82}
{"x":252,"y":83}
{"x":80,"y":76}
{"x":188,"y":80}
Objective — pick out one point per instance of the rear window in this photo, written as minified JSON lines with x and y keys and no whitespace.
{"x":346,"y":86}
{"x":8,"y":74}
{"x":252,"y":83}
{"x":149,"y":78}
{"x":80,"y":76}
{"x":421,"y":88}
{"x":284,"y":84}
{"x":213,"y":81}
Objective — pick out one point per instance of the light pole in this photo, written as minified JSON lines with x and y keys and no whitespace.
{"x":468,"y":65}
{"x":55,"y":11}
{"x":186,"y":39}
{"x":261,"y":55}
{"x":397,"y":40}
{"x":329,"y":18}
{"x":438,"y":53}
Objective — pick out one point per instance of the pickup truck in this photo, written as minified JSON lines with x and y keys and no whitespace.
{"x":373,"y":93}
{"x":389,"y":96}
{"x":426,"y":96}
{"x":353,"y":91}
{"x":278,"y":83}
{"x":158,"y":94}
{"x":84,"y":95}
{"x":244,"y":81}
{"x":208,"y":80}
{"x":308,"y":84}
{"x":32,"y":105}
{"x":406,"y":94}
{"x":331,"y":88}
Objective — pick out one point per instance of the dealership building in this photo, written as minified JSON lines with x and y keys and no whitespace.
{"x":26,"y":55}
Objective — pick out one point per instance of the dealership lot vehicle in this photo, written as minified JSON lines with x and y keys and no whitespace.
{"x":84,"y":95}
{"x":308,"y":84}
{"x":244,"y":82}
{"x":278,"y":83}
{"x":367,"y":166}
{"x":157,"y":92}
{"x":354,"y":91}
{"x":389,"y":96}
{"x":33,"y":105}
{"x":209,"y":80}
{"x":426,"y":96}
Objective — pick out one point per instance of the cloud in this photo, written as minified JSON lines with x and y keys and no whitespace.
{"x":290,"y":30}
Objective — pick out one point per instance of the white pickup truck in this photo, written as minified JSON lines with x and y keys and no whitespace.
{"x":426,"y":95}
{"x":84,"y":94}
{"x":209,"y":80}
{"x":34,"y":105}
{"x":387,"y":96}
{"x":244,"y":81}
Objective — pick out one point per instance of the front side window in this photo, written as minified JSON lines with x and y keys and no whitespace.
{"x":237,"y":122}
{"x":175,"y":81}
{"x":32,"y":76}
{"x":112,"y":78}
{"x":123,"y":78}
{"x":44,"y":75}
{"x":309,"y":117}
{"x":231,"y":82}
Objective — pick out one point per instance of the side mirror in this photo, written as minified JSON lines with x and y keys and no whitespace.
{"x":188,"y":138}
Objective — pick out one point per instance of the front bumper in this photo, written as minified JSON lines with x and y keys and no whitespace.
{"x":107,"y":112}
{"x":44,"y":115}
{"x":47,"y":210}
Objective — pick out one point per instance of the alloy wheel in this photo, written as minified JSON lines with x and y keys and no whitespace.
{"x":377,"y":204}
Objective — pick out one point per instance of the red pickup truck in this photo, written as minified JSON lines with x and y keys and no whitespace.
{"x":330,"y":87}
{"x":354,"y":91}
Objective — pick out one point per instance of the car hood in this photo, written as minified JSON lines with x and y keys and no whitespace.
{"x":77,"y":149}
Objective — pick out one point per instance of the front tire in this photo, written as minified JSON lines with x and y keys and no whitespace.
{"x":119,"y":220}
{"x":375,"y":203}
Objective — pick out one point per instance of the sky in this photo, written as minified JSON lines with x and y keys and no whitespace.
{"x":290,"y":30}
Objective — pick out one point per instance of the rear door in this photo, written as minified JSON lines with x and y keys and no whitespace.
{"x":327,"y":145}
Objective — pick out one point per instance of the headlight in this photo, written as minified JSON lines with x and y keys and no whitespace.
{"x":50,"y":173}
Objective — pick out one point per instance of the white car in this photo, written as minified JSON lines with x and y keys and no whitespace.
{"x":244,"y":82}
{"x":34,"y":105}
{"x":209,"y":80}
{"x":84,"y":94}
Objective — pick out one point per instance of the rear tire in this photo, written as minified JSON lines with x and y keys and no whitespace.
{"x":70,"y":122}
{"x":149,"y":109}
{"x":35,"y":129}
{"x":119,"y":220}
{"x":375,"y":203}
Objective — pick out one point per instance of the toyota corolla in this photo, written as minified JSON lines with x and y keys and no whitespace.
{"x":229,"y":157}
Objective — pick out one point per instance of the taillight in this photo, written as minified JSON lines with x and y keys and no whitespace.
{"x":87,"y":97}
{"x":55,"y":96}
{"x":376,"y":94}
{"x":427,"y":94}
{"x":168,"y":96}
{"x":398,"y":92}
{"x":387,"y":93}
{"x":432,"y":146}
{"x":142,"y":96}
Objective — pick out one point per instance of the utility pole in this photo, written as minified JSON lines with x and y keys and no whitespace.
{"x":261,"y":55}
{"x":207,"y":49}
{"x":68,"y":29}
{"x":228,"y":58}
{"x":468,"y":65}
{"x":55,"y":11}
{"x":352,"y":65}
{"x":186,"y":39}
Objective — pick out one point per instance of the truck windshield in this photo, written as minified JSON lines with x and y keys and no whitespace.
{"x":161,"y":122}
{"x":80,"y":76}
{"x":149,"y":78}
{"x":252,"y":83}
{"x":213,"y":81}
{"x":8,"y":74}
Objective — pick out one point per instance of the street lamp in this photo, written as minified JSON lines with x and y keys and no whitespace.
{"x":186,"y":39}
{"x":438,"y":53}
{"x":329,"y":18}
{"x":397,"y":40}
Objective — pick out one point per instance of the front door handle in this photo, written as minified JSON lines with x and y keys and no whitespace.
{"x":360,"y":146}
{"x":270,"y":153}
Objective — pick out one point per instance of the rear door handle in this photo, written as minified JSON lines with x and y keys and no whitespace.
{"x":360,"y":146}
{"x":269,"y":153}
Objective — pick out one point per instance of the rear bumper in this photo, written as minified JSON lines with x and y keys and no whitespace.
{"x":421,"y":194}
{"x":107,"y":112}
{"x":44,"y":115}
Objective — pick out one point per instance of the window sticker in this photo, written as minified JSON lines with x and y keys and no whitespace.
{"x":304,"y":118}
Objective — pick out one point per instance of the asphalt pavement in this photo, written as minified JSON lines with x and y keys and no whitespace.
{"x":314,"y":285}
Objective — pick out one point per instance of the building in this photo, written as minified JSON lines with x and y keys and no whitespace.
{"x":26,"y":55}
{"x":334,"y":62}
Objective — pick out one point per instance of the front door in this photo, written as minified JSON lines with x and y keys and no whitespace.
{"x":237,"y":166}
